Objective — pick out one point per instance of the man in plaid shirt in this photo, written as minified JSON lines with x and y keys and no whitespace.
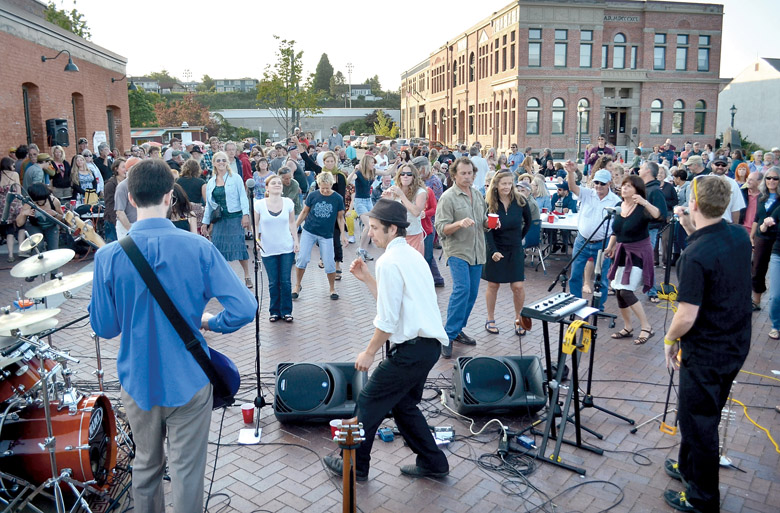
{"x":205,"y":164}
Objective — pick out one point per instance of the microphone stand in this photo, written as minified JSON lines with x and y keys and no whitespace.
{"x":71,"y":230}
{"x":259,"y":399}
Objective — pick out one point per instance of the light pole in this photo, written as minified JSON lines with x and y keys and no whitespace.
{"x":733,"y":111}
{"x":580,"y":110}
{"x":349,"y":77}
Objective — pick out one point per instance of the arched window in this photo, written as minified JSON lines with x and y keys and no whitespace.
{"x":513,"y":117}
{"x":678,"y":117}
{"x":558,"y":115}
{"x":584,"y":117}
{"x":656,"y":116}
{"x":471,"y":67}
{"x":619,"y":38}
{"x":455,"y":73}
{"x":619,"y":51}
{"x":532,"y":117}
{"x":699,"y":117}
{"x":504,"y":114}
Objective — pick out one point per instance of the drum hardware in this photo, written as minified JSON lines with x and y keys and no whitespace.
{"x":31,"y":243}
{"x":99,"y":371}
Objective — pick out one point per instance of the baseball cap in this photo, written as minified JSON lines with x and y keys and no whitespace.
{"x":718,"y":160}
{"x":196,"y":149}
{"x":82,"y":140}
{"x":602,"y":175}
{"x":131,"y":162}
{"x":524,"y":185}
{"x":564,"y":185}
{"x":694,"y":159}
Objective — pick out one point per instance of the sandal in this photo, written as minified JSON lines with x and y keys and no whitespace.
{"x":248,"y":282}
{"x":334,"y":296}
{"x":287,"y":318}
{"x":641,"y":340}
{"x":519,"y":330}
{"x":338,"y":275}
{"x":490,"y":327}
{"x":11,"y":259}
{"x":654,"y":299}
{"x":624,"y":333}
{"x":321,"y":265}
{"x":273,"y":318}
{"x":295,"y":295}
{"x":611,"y":292}
{"x":774,"y":334}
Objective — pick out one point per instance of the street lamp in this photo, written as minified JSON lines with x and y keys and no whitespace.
{"x":131,"y":87}
{"x":68,"y":67}
{"x":349,"y":75}
{"x":580,"y":110}
{"x":733,"y":111}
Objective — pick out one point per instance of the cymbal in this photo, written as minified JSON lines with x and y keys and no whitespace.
{"x":32,"y":329}
{"x":58,"y":285}
{"x":31,"y":242}
{"x":42,"y":263}
{"x":17,"y":320}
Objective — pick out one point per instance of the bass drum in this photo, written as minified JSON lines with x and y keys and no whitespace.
{"x":86,"y":441}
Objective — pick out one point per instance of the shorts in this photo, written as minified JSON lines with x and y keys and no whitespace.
{"x":363,"y":205}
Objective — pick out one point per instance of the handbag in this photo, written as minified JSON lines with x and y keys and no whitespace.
{"x":216,"y":214}
{"x":220,"y":370}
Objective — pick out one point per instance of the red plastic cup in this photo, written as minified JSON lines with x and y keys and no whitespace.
{"x":72,"y":204}
{"x":335,"y":425}
{"x":551,"y":218}
{"x":248,"y":411}
{"x":492,"y":221}
{"x":544,"y":210}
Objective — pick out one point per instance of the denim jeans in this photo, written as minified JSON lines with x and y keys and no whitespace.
{"x":307,"y":242}
{"x":110,"y":231}
{"x":428,"y":247}
{"x":578,"y":268}
{"x":774,"y":290}
{"x":465,"y":286}
{"x":653,"y":292}
{"x":278,"y":268}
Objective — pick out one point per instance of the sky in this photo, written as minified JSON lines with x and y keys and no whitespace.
{"x":234,"y":38}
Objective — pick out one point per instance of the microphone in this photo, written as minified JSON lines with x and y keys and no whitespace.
{"x":250,"y":184}
{"x":10,"y":197}
{"x":611,"y":210}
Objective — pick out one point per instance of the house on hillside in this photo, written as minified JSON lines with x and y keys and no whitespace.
{"x":227,"y":85}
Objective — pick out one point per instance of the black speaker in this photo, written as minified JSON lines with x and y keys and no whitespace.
{"x":57,"y":132}
{"x":501,"y":384}
{"x":317,"y":392}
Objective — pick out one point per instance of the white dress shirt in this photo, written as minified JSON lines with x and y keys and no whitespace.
{"x":406,"y":303}
{"x":591,"y":212}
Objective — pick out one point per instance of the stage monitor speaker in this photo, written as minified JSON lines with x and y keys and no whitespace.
{"x":501,"y":384}
{"x":317,"y":392}
{"x":57,"y":132}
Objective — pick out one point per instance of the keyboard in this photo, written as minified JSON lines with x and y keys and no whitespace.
{"x":554,"y":308}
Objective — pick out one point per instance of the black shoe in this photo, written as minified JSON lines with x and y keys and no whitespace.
{"x":415,"y":471}
{"x":446,"y":351}
{"x":671,"y":468}
{"x":756,"y":307}
{"x":678,"y":501}
{"x":465,"y":339}
{"x":336,"y":465}
{"x":438,"y":284}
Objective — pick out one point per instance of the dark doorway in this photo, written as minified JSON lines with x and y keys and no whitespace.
{"x":615,"y":123}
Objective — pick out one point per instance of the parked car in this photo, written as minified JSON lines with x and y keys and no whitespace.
{"x":367,"y":141}
{"x":418,"y":141}
{"x":358,"y":141}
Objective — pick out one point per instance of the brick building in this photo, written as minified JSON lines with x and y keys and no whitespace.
{"x":33,"y":91}
{"x":643,"y":71}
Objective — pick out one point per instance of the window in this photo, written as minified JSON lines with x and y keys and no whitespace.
{"x":656,"y":116}
{"x":560,"y":55}
{"x":471,"y":67}
{"x":513,"y":117}
{"x":504,"y":113}
{"x":681,"y":61}
{"x":532,"y":117}
{"x":27,"y":116}
{"x":558,"y":115}
{"x":704,"y":54}
{"x":534,"y":54}
{"x":454,"y":73}
{"x":586,"y":35}
{"x":534,"y":33}
{"x":619,"y":57}
{"x":471,"y":119}
{"x":586,"y":55}
{"x":619,"y":38}
{"x":633,"y":57}
{"x":512,"y":55}
{"x":561,"y":35}
{"x":699,"y":117}
{"x":678,"y":117}
{"x":585,"y":116}
{"x":659,"y":52}
{"x":503,"y":59}
{"x":604,"y":56}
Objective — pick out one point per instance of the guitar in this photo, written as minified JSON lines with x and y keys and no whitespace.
{"x":348,"y":437}
{"x":85,"y":230}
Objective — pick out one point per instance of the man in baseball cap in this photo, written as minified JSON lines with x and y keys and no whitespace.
{"x":408,"y":316}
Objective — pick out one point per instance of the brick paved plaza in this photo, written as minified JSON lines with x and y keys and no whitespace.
{"x":629,"y":379}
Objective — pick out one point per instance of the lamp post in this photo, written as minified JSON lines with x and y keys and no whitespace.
{"x":733,"y":111}
{"x":580,"y":110}
{"x":349,"y":75}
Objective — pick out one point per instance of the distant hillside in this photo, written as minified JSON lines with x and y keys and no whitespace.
{"x":219,"y":101}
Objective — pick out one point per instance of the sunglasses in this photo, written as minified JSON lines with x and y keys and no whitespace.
{"x":220,"y":160}
{"x":407,"y":174}
{"x":596,"y":182}
{"x":87,"y":156}
{"x":771,"y":178}
{"x":719,"y":164}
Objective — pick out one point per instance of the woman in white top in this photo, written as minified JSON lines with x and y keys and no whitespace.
{"x":381,"y":159}
{"x":277,"y":239}
{"x":411,"y":192}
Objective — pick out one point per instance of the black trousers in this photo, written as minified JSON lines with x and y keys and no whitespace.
{"x":338,"y":251}
{"x":704,"y":390}
{"x":397,"y":385}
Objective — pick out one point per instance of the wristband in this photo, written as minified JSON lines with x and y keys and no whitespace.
{"x":670,"y":342}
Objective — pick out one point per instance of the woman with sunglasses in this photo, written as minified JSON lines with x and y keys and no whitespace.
{"x":764,"y":234}
{"x":226,"y":216}
{"x":411,"y":192}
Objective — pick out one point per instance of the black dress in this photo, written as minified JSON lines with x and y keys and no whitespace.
{"x":507,"y":240}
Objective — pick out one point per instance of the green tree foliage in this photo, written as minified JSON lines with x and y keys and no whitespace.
{"x":358,"y":125}
{"x":72,"y":21}
{"x":207,"y":84}
{"x":385,"y":126}
{"x":323,"y":74}
{"x":162,"y":76}
{"x":373,"y":83}
{"x":227,"y":132}
{"x":338,"y":85}
{"x":141,"y":109}
{"x":281,"y":90}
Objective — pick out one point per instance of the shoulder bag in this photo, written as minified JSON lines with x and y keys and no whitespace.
{"x":221,"y":371}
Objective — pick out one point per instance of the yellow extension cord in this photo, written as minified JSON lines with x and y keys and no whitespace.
{"x":744,"y":409}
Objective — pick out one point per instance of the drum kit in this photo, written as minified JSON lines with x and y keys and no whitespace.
{"x":53,"y":437}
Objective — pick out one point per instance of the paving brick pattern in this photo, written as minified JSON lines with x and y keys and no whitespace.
{"x":631,"y":380}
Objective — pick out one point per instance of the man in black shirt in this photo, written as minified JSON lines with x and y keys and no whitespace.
{"x":649,"y":174}
{"x":712,"y":327}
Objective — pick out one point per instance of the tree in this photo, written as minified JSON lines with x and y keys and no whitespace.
{"x":226,"y":131}
{"x":323,"y":74}
{"x":207,"y":84}
{"x":186,"y":110}
{"x":72,"y":21}
{"x":162,"y":76}
{"x":281,"y":92}
{"x":373,"y":83}
{"x":142,"y":112}
{"x":385,"y":126}
{"x":338,"y":85}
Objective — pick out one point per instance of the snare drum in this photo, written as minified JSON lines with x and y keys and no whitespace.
{"x":20,"y":374}
{"x":86,"y":441}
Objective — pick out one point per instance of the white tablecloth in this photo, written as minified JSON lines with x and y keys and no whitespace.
{"x":569,"y":222}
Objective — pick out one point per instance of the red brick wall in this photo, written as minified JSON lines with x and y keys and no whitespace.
{"x":55,"y":89}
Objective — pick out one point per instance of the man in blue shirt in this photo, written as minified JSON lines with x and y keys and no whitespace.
{"x":163,"y":387}
{"x":515,"y":158}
